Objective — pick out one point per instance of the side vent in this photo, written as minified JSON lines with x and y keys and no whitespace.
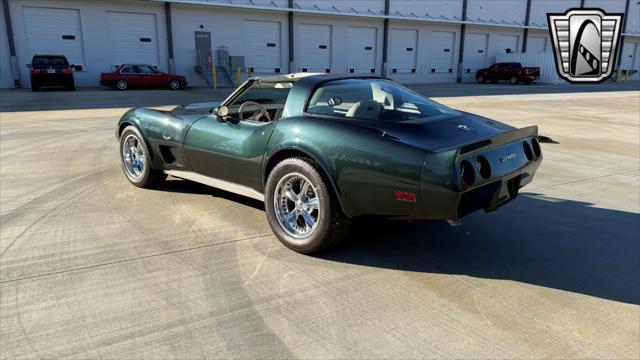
{"x":167,"y":154}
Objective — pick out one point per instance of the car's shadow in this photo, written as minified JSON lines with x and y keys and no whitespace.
{"x":560,"y":244}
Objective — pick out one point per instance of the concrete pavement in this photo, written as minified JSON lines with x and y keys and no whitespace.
{"x":91,"y":267}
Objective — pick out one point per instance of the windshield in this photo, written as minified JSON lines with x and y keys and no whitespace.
{"x":265,"y":93}
{"x":374,"y":99}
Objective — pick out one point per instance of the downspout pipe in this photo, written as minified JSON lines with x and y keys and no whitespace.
{"x":527,"y":19}
{"x":463,"y":30}
{"x":385,"y":39}
{"x":167,"y":16}
{"x":13,"y":59}
{"x":622,"y":30}
{"x":291,"y":53}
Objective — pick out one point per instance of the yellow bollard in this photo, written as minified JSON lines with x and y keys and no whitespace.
{"x":618,"y":75}
{"x":238,"y":76}
{"x":214,"y":79}
{"x":626,"y":75}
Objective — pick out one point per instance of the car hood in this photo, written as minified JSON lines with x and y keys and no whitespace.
{"x":445,"y":133}
{"x":203,"y":108}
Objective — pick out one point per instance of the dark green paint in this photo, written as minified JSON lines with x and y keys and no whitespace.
{"x":365,"y":161}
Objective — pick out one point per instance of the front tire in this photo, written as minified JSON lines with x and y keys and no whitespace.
{"x":514,"y":80}
{"x":136,"y":159}
{"x":302,"y":210}
{"x":174,"y":85}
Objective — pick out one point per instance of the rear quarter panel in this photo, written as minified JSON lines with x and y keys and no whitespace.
{"x":364,"y":167}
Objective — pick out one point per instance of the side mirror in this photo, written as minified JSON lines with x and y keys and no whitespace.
{"x":222,"y":111}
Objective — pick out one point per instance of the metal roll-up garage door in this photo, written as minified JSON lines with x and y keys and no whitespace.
{"x":133,"y":38}
{"x":262,"y":46}
{"x":442,"y":45}
{"x":402,"y":52}
{"x":475,"y":53}
{"x":629,"y":54}
{"x":361,"y":49}
{"x":508,"y":43}
{"x":313,"y":46}
{"x":52,"y":31}
{"x":536,"y":44}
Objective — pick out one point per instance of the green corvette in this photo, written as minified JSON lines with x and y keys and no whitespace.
{"x":320,"y":149}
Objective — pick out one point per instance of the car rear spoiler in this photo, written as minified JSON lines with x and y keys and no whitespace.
{"x":497,"y":140}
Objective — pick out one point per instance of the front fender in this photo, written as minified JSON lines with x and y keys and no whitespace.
{"x":133,"y":118}
{"x":158,"y":128}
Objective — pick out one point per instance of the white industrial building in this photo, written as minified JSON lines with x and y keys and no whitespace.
{"x":412,"y":41}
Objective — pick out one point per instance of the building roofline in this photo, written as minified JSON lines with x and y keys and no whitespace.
{"x":369,"y":15}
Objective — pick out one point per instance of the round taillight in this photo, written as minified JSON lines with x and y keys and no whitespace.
{"x":484,"y":168}
{"x":536,"y":147}
{"x":527,"y":150}
{"x":467,"y":173}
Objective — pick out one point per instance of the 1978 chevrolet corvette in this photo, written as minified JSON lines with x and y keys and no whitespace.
{"x":320,"y":149}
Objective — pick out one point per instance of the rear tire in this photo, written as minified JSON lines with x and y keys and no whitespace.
{"x":481,"y":79}
{"x":136,"y":160}
{"x":34,"y":87}
{"x":514,"y":80}
{"x":289,"y":219}
{"x":122,"y":84}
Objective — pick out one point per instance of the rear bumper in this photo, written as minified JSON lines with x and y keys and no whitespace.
{"x":52,"y":80}
{"x":511,"y":168}
{"x":493,"y":195}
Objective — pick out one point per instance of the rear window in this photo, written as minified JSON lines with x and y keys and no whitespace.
{"x":49,"y":61}
{"x":374,"y":99}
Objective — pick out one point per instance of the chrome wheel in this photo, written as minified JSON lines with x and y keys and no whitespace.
{"x":122,"y":85}
{"x":296,"y":205}
{"x":174,"y":85}
{"x":133,"y":157}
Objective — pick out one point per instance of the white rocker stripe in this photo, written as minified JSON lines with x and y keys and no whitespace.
{"x":217,"y":183}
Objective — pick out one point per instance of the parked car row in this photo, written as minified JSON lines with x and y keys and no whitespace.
{"x":55,"y":70}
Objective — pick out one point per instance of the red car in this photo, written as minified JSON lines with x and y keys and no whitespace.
{"x":141,"y":75}
{"x":512,"y":71}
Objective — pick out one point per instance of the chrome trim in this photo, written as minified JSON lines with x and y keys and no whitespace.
{"x":217,"y":183}
{"x":298,"y":212}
